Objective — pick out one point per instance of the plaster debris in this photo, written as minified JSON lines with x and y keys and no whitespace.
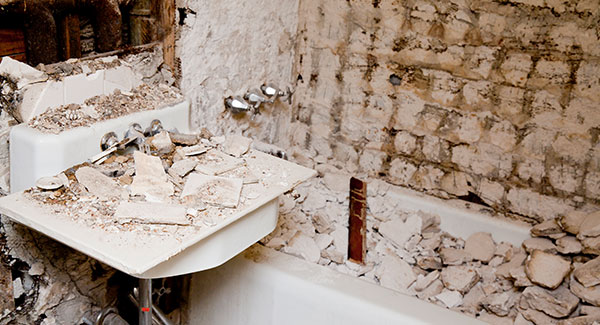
{"x":305,"y":247}
{"x":590,"y":226}
{"x":498,"y":303}
{"x":454,"y":256}
{"x":400,"y":232}
{"x":20,"y":72}
{"x":590,"y":294}
{"x":150,"y":179}
{"x":236,"y":145}
{"x":219,"y":191}
{"x":395,"y":273}
{"x":215,"y":162}
{"x":480,"y":246}
{"x":450,"y":298}
{"x":425,"y":281}
{"x":99,"y":184}
{"x":568,"y":245}
{"x":588,"y":274}
{"x":541,"y":244}
{"x":546,"y":229}
{"x":571,"y":221}
{"x":162,"y":142}
{"x":459,"y":277}
{"x":18,"y":290}
{"x":194,"y":150}
{"x":183,"y":167}
{"x":546,"y":269}
{"x":556,"y":303}
{"x":153,"y":213}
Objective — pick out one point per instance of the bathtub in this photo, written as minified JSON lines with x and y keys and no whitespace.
{"x":263,"y":286}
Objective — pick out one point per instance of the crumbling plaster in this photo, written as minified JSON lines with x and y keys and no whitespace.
{"x":226,"y":48}
{"x":483,"y":100}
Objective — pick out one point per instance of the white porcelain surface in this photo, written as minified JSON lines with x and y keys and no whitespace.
{"x":262,"y":286}
{"x":34,"y":154}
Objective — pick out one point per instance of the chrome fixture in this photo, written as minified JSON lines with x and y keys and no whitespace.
{"x":237,"y":104}
{"x":109,"y":140}
{"x":273,"y":92}
{"x":256,"y":99}
{"x":154,"y":128}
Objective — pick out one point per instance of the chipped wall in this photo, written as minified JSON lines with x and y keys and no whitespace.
{"x":493,"y":102}
{"x":228,"y":47}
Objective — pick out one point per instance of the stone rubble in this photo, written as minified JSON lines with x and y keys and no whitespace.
{"x":546,"y":280}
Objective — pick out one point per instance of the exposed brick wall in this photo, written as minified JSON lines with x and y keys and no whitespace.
{"x":486,"y":100}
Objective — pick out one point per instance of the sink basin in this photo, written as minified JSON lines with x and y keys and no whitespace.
{"x":146,"y":251}
{"x":34,"y":154}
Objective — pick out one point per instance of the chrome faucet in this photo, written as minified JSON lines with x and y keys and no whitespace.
{"x":256,"y":99}
{"x":273,"y":93}
{"x":237,"y":104}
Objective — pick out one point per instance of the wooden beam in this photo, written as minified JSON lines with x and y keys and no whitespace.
{"x":12,"y":43}
{"x":167,"y":20}
{"x":70,"y":37}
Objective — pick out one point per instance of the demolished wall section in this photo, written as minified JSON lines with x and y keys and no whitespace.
{"x":488,"y":101}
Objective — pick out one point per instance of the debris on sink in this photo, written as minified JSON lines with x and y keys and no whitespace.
{"x":219,"y":191}
{"x":99,"y":108}
{"x":173,"y":190}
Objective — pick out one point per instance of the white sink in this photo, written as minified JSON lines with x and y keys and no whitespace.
{"x":141,"y":253}
{"x":34,"y":154}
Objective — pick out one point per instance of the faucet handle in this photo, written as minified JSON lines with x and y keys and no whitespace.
{"x":237,"y":104}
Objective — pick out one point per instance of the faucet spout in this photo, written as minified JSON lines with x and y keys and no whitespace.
{"x":237,"y":105}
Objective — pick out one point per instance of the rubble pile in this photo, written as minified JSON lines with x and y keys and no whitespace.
{"x":552,"y":278}
{"x":99,"y":108}
{"x":184,"y":182}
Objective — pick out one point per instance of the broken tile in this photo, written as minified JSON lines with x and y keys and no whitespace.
{"x":215,"y":162}
{"x":219,"y":191}
{"x":480,"y":246}
{"x":547,"y":270}
{"x":236,"y":145}
{"x":99,"y":184}
{"x":459,"y":277}
{"x":150,"y":179}
{"x":556,"y":303}
{"x":153,"y":213}
{"x":588,"y":274}
{"x":473,"y":298}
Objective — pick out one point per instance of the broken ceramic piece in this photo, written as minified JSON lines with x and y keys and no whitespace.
{"x":153,"y":213}
{"x":194,"y":150}
{"x":183,"y":167}
{"x":215,"y":162}
{"x":236,"y":145}
{"x":150,"y":178}
{"x":49,"y":183}
{"x":219,"y":191}
{"x":99,"y":184}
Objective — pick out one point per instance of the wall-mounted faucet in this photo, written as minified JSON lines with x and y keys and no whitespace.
{"x":237,"y":104}
{"x":254,"y":98}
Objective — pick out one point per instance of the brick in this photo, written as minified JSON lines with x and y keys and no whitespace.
{"x":515,"y":68}
{"x":401,"y":171}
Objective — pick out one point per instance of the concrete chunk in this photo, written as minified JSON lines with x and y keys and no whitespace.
{"x":480,"y":246}
{"x":459,"y":277}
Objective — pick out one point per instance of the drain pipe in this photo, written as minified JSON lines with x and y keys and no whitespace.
{"x":158,"y":317}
